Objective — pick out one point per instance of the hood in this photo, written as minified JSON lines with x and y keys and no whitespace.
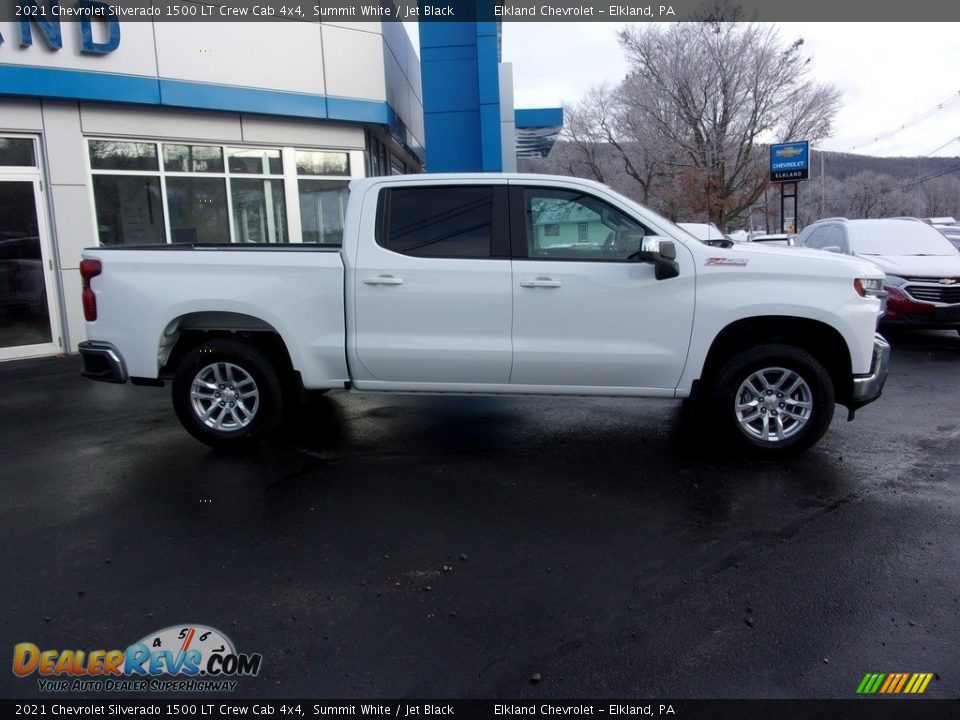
{"x":790,"y":252}
{"x":932,"y":266}
{"x":780,"y":259}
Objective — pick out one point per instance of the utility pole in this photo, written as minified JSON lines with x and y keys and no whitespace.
{"x":823,"y":195}
{"x":918,"y":184}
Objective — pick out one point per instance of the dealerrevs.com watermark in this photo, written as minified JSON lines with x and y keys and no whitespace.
{"x":180,"y":658}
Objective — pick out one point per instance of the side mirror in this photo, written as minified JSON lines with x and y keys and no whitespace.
{"x":662,"y":253}
{"x":832,"y":248}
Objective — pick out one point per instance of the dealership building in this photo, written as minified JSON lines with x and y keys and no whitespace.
{"x":132,"y":132}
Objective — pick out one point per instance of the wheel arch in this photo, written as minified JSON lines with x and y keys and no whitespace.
{"x":818,"y":338}
{"x":189,"y":330}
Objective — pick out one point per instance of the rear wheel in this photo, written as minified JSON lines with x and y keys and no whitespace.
{"x":773,"y":400}
{"x":227,"y":393}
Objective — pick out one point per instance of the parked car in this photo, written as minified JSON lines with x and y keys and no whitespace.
{"x":951,"y":233}
{"x":922,"y":266}
{"x":708,"y":233}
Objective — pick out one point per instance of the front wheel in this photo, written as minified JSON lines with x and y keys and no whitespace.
{"x":226,"y":393}
{"x":773,"y":400}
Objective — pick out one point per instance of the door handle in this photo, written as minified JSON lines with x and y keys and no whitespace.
{"x":383,"y":280}
{"x":543,"y":282}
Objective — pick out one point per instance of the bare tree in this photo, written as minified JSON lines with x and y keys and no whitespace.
{"x":605,"y":142}
{"x":941,"y":196}
{"x":872,"y":195}
{"x":583,"y":129}
{"x":713,"y":93}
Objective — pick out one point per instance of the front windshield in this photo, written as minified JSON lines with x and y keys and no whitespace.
{"x":898,"y":237}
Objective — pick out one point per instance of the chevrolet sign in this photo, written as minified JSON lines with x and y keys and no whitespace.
{"x":790,"y":162}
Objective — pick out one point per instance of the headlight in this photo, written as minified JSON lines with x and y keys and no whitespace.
{"x":868,"y":287}
{"x":895,"y":281}
{"x":873,"y":288}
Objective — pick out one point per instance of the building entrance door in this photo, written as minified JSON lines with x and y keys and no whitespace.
{"x":29,"y":323}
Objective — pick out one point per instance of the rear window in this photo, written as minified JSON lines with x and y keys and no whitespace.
{"x":440,"y":221}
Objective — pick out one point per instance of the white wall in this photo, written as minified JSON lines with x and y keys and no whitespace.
{"x":359,"y":60}
{"x":508,"y":122}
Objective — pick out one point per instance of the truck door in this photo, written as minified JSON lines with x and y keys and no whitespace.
{"x":586,"y":312}
{"x":433,"y":301}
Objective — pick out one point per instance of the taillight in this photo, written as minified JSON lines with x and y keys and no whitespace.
{"x":89,"y":269}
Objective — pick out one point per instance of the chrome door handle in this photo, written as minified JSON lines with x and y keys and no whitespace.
{"x":383,"y":280}
{"x":543,"y":282}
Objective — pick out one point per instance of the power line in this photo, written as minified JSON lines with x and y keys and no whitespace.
{"x":891,"y":133}
{"x":948,"y":142}
{"x":932,"y":176}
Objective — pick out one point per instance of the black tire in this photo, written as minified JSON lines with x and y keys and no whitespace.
{"x":801,"y":413}
{"x":249,"y":380}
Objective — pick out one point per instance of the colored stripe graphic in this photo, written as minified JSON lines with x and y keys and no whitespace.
{"x":871,"y":683}
{"x":903,"y":680}
{"x":894,"y":683}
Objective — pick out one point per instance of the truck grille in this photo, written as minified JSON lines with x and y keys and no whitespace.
{"x":934,"y":293}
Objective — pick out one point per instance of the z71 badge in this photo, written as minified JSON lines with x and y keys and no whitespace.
{"x":726,"y":261}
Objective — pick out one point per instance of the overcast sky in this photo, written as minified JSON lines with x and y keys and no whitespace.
{"x":890,"y":75}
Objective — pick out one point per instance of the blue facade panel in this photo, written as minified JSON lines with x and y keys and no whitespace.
{"x":446,"y":34}
{"x":461,"y":96}
{"x":488,"y":73}
{"x":236,"y":99}
{"x":446,"y":86}
{"x":491,"y":143}
{"x":77,"y":85}
{"x":24,"y":80}
{"x":539,"y":117}
{"x":453,"y":142}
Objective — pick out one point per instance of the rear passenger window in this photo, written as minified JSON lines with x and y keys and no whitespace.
{"x":441,"y":222}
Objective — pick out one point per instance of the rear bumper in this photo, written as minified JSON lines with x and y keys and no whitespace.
{"x":867,"y":388}
{"x":102,"y":361}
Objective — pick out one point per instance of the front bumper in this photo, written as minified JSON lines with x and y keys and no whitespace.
{"x":102,"y":361}
{"x":867,"y":388}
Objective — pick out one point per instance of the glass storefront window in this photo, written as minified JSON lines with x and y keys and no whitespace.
{"x":317,"y":162}
{"x":17,"y":152}
{"x":322,"y":206}
{"x":259,"y":212}
{"x":110,"y":155}
{"x":255,"y":161}
{"x":180,"y":192}
{"x":193,"y":158}
{"x":198,"y":210}
{"x":24,"y":314}
{"x":129,"y":209}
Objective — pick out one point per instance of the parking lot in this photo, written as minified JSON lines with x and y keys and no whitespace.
{"x":442,"y":547}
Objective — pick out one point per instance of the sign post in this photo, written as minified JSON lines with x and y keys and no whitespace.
{"x":789,"y":164}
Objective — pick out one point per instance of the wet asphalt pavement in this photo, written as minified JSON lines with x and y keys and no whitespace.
{"x":441,"y":547}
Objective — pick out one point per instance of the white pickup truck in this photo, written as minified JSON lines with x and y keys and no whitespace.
{"x":496,"y":284}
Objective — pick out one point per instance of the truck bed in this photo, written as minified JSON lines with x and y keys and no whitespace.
{"x":149,"y":292}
